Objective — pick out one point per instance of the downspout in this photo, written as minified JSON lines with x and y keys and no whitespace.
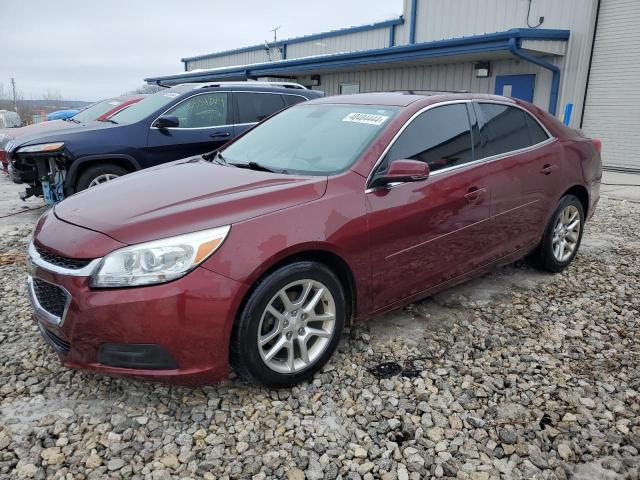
{"x":412,"y":22}
{"x":514,"y":48}
{"x":185,"y":66}
{"x":392,"y":35}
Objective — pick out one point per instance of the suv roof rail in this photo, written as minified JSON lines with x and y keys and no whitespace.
{"x":291,"y":85}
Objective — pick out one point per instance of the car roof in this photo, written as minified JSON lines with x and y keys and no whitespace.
{"x":246,"y":86}
{"x":405,"y":98}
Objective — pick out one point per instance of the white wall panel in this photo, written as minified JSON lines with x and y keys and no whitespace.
{"x":453,"y":76}
{"x":367,"y":40}
{"x":442,"y":19}
{"x":612,"y":109}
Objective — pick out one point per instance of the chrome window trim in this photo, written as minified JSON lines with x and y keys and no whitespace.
{"x":36,"y":260}
{"x":191,"y":128}
{"x":228,"y":124}
{"x":40,"y":312}
{"x":478,"y":161}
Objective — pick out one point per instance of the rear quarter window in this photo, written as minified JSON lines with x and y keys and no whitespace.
{"x":536,"y":132}
{"x":290,"y":100}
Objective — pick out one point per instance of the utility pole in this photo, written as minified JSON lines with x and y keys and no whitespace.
{"x":15,"y":103}
{"x":275,"y":33}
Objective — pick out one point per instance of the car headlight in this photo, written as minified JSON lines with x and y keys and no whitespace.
{"x":158,"y":261}
{"x":43,"y":147}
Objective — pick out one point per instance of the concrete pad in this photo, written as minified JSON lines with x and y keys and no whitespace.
{"x":622,"y":186}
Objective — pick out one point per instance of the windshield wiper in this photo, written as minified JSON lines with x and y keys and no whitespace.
{"x":216,"y":157}
{"x":108,"y":120}
{"x":71,"y":119}
{"x":253,"y":166}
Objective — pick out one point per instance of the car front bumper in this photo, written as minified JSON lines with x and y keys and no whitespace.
{"x":176,"y":332}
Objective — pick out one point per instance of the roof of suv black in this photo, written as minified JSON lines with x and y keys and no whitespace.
{"x":251,"y":86}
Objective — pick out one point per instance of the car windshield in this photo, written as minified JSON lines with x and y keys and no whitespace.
{"x":146,"y":106}
{"x":96,"y":110}
{"x":311,"y":139}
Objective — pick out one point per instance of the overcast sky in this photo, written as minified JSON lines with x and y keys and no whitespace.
{"x":92,"y":49}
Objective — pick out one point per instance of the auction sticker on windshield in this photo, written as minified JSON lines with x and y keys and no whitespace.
{"x":368,"y":118}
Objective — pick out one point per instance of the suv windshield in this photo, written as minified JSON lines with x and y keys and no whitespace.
{"x":96,"y":110}
{"x":146,"y":106}
{"x":311,"y":139}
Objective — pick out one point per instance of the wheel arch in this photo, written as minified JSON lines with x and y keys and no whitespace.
{"x":82,"y":163}
{"x":583,"y":195}
{"x":327,"y":257}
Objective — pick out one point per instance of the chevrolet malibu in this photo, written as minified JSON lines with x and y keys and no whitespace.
{"x":257,"y":255}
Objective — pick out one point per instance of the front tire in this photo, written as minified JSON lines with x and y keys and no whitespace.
{"x":289,"y":326}
{"x":98,"y":174}
{"x":562,"y":236}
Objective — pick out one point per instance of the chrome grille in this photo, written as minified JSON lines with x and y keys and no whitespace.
{"x":60,"y":261}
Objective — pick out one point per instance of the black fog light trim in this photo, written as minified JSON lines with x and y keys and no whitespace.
{"x":136,"y":355}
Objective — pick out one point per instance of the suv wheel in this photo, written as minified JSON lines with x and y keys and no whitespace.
{"x":562,"y":236}
{"x":98,"y":174}
{"x":289,"y":326}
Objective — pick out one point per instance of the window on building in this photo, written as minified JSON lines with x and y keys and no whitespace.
{"x":502,"y":129}
{"x":205,"y":110}
{"x":440,"y":136}
{"x":292,"y":99}
{"x":349,"y":88}
{"x":254,"y":107}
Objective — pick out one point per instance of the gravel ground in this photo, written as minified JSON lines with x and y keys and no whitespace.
{"x":516,"y":375}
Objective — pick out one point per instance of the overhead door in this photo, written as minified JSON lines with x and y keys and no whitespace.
{"x":612,"y":107}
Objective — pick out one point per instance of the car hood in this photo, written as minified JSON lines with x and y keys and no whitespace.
{"x":54,"y":131}
{"x":184,"y":196}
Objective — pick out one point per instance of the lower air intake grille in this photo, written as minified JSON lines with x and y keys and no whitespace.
{"x":50,"y":297}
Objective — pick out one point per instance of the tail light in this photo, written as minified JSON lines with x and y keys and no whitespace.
{"x":597,"y":143}
{"x":3,"y":156}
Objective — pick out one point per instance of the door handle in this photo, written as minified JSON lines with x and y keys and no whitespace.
{"x":220,"y":135}
{"x":547,"y":169}
{"x":475,"y":193}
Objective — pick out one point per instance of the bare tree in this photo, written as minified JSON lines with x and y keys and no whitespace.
{"x":144,"y":89}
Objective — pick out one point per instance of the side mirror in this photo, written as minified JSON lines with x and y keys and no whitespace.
{"x":166,"y":121}
{"x":402,"y":171}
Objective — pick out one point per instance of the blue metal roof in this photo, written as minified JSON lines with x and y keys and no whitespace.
{"x":492,"y":42}
{"x":305,"y":38}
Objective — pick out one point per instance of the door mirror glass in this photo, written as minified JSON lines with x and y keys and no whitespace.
{"x":403,"y":171}
{"x":166,"y":121}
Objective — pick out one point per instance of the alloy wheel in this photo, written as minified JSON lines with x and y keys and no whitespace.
{"x":105,"y":177}
{"x":566,"y":233}
{"x":296,"y":326}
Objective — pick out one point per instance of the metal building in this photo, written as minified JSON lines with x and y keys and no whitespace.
{"x":579,"y":59}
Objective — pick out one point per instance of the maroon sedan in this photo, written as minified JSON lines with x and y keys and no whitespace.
{"x":331,"y":212}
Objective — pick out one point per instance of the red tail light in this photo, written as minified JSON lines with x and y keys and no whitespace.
{"x":3,"y":155}
{"x":597,"y":143}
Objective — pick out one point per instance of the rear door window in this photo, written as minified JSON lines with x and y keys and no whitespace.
{"x":502,"y":129}
{"x":254,"y":107}
{"x":441,"y":137}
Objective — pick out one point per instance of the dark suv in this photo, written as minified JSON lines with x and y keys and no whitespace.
{"x":178,"y":122}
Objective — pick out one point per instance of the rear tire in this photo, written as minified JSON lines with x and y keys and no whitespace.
{"x":94,"y":174}
{"x":289,"y":326}
{"x":562,"y":236}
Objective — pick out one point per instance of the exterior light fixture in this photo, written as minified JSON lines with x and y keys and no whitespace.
{"x":482,"y":69}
